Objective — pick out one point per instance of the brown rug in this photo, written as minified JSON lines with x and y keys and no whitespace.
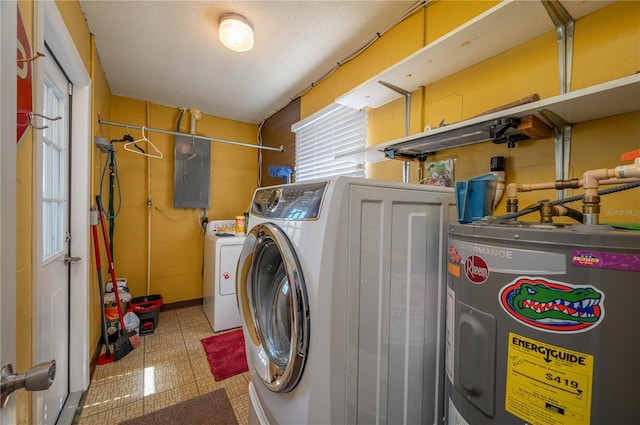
{"x":209,"y":409}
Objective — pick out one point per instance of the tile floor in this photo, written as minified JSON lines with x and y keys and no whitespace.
{"x":170,"y":366}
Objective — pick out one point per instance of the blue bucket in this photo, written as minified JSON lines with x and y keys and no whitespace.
{"x":475,"y":197}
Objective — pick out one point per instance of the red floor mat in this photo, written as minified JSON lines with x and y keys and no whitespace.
{"x":226,"y":354}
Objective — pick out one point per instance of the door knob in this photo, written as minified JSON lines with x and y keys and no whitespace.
{"x":38,"y":378}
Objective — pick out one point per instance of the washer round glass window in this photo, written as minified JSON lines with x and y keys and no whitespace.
{"x":279,"y":308}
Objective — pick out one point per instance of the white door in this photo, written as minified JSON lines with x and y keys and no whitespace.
{"x":53,"y":288}
{"x":7,"y":196}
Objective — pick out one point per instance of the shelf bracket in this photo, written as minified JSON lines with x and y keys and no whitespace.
{"x":392,"y":153}
{"x":564,"y":29}
{"x":407,"y":121}
{"x":498,"y":132}
{"x":562,"y":131}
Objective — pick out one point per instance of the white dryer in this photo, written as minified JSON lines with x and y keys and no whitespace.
{"x":221,"y":253}
{"x":341,"y":289}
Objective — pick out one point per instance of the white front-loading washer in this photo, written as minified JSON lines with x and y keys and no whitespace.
{"x":340,"y":288}
{"x":221,"y":254}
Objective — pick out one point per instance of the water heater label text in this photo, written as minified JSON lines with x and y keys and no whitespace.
{"x":547,"y":384}
{"x":487,"y":250}
{"x":549,"y":352}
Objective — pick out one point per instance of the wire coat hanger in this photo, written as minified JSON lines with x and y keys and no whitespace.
{"x":131,"y":145}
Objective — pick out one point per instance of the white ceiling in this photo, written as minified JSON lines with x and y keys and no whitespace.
{"x":168,"y":52}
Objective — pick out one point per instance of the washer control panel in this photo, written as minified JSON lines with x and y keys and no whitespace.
{"x":298,"y":201}
{"x":221,"y":226}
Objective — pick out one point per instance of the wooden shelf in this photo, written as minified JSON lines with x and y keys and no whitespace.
{"x":497,"y":30}
{"x":600,"y":101}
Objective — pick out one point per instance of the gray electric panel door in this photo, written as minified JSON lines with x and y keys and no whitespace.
{"x":191,"y":172}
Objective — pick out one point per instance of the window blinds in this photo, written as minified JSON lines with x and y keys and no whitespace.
{"x":338,"y":130}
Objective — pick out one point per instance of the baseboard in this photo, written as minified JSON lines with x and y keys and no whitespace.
{"x":94,"y":358}
{"x":181,"y":304}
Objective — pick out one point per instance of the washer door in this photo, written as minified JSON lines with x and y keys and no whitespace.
{"x":273,"y":304}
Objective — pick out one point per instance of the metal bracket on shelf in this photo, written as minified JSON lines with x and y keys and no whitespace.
{"x":562,"y":131}
{"x":395,"y":154}
{"x":407,"y":118}
{"x":424,"y":156}
{"x":392,"y":153}
{"x":499,"y":132}
{"x":564,"y":29}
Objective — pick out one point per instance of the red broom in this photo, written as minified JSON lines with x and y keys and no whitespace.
{"x":106,"y":357}
{"x":128,"y":340}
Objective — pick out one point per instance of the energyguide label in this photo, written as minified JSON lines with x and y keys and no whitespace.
{"x":548,"y":385}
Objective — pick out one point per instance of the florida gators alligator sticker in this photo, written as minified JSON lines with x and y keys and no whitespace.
{"x":553,"y":306}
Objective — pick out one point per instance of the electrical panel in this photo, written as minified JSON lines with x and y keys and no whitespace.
{"x":191,"y":172}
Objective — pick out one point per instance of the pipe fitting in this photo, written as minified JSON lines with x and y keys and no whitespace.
{"x":591,"y":209}
{"x":547,"y":211}
{"x":591,"y":180}
{"x":512,"y":205}
{"x":568,"y":184}
{"x":512,"y":190}
{"x":196,"y":115}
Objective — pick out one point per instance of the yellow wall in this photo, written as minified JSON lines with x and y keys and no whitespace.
{"x":24,"y":247}
{"x":606,"y":47}
{"x":176,"y":235}
{"x":76,"y":25}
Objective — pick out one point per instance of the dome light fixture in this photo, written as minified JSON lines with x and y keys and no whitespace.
{"x":236,"y":32}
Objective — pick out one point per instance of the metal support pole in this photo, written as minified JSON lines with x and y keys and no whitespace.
{"x":193,"y":136}
{"x":562,"y":130}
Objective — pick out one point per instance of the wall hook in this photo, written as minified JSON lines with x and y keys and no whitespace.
{"x":32,"y":58}
{"x":34,"y":114}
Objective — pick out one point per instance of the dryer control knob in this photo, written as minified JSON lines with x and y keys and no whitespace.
{"x":274,"y":199}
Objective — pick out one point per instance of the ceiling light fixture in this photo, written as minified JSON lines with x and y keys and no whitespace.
{"x":236,"y":32}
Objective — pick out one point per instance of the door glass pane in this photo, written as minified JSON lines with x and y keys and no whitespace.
{"x":54,"y":190}
{"x":46,"y":251}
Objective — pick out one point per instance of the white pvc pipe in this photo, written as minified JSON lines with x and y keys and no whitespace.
{"x":196,"y":115}
{"x":148,"y":213}
{"x":593,"y":178}
{"x":502,"y":176}
{"x":514,"y":188}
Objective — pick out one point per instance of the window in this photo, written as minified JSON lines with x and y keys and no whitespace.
{"x":326,"y":134}
{"x":54,"y":177}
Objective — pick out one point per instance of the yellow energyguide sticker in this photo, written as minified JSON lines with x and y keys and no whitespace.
{"x":546,"y":384}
